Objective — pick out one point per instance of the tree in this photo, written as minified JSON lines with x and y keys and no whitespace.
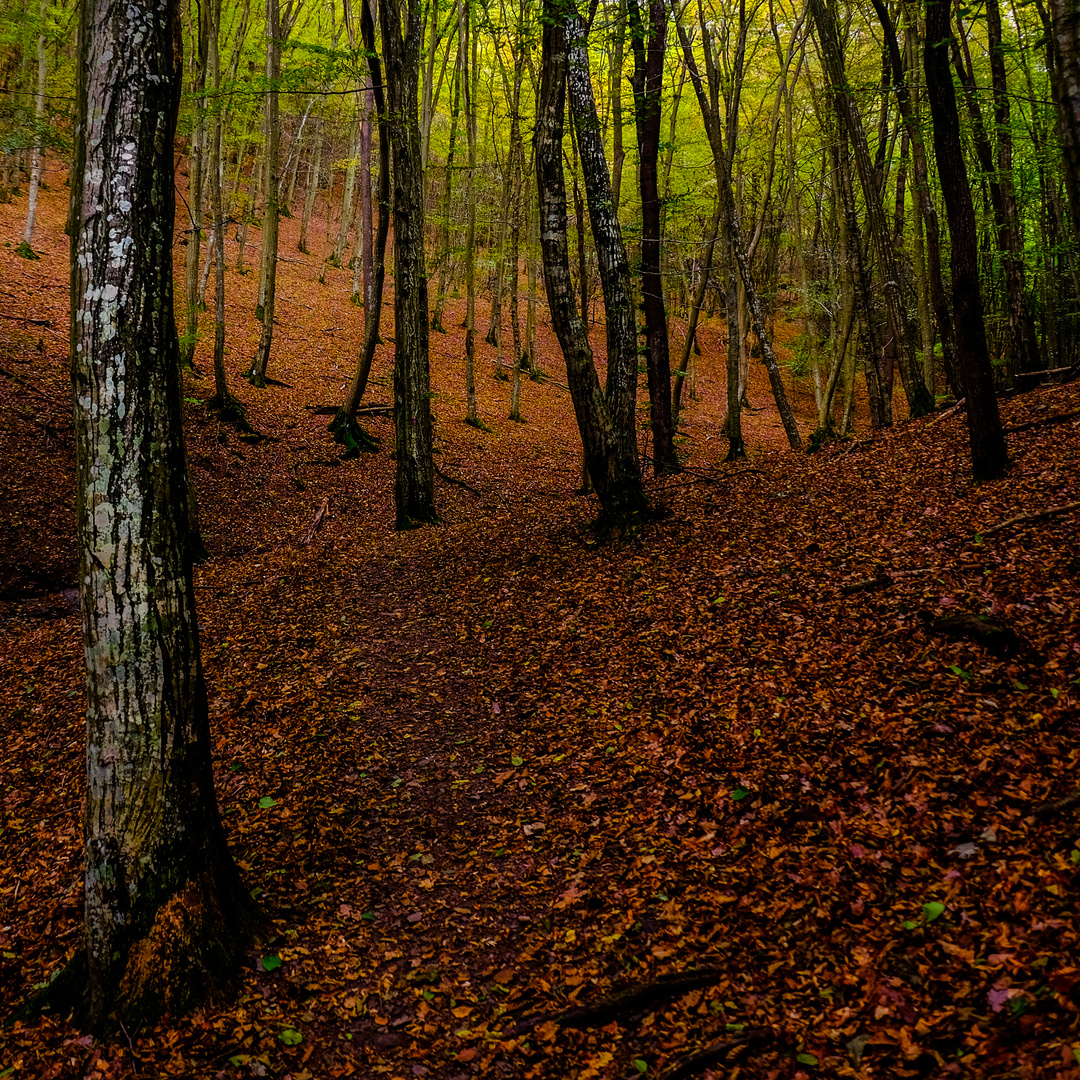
{"x":989,"y":456}
{"x":166,"y":914}
{"x":1065,"y":22}
{"x":605,"y":417}
{"x":649,"y":46}
{"x":414,"y":490}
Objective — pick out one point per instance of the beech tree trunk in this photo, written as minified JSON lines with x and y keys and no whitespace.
{"x":166,"y":915}
{"x":605,"y":421}
{"x":414,"y":491}
{"x":37,"y":161}
{"x":649,"y":47}
{"x":1065,"y":23}
{"x":989,"y":457}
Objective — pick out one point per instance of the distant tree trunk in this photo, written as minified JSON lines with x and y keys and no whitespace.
{"x":494,"y":332}
{"x":618,"y":153}
{"x":195,"y":190}
{"x":733,"y":420}
{"x":531,"y":244}
{"x":1022,"y":348}
{"x":347,"y":191}
{"x":222,"y":399}
{"x":37,"y":160}
{"x":346,"y":415}
{"x":605,"y":422}
{"x":160,"y":883}
{"x":446,"y":252}
{"x":517,"y":169}
{"x":650,"y":47}
{"x":695,"y":312}
{"x":919,"y":400}
{"x":708,"y":102}
{"x":414,"y":492}
{"x":989,"y":456}
{"x":272,"y":202}
{"x":367,"y":233}
{"x":467,"y":46}
{"x":314,"y":176}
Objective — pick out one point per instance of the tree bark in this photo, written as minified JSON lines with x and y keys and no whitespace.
{"x":166,"y":915}
{"x":414,"y":491}
{"x":989,"y":457}
{"x":649,"y":47}
{"x":610,"y":451}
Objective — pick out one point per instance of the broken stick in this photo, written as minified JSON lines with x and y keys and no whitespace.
{"x":318,"y":520}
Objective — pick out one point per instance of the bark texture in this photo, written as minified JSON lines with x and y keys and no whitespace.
{"x":414,"y":490}
{"x":610,"y":452}
{"x":166,"y":915}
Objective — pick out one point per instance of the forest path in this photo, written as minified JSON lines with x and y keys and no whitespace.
{"x":483,"y":772}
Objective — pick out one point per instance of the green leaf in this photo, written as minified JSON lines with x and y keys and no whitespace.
{"x":1074,"y":855}
{"x":236,"y":1061}
{"x":368,"y":916}
{"x":516,"y":761}
{"x":396,"y":782}
{"x":266,"y":802}
{"x":932,"y":910}
{"x":1076,"y":1054}
{"x":641,"y":1066}
{"x":271,"y":963}
{"x":909,"y":924}
{"x":960,"y":673}
{"x":806,"y":1059}
{"x":290,"y":1036}
{"x":739,"y":793}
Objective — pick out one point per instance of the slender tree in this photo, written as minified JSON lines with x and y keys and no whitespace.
{"x":989,"y":456}
{"x":414,"y":491}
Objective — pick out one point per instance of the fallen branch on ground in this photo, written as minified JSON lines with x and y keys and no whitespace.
{"x":1058,"y":806}
{"x":318,"y":520}
{"x":1050,"y":512}
{"x":693,"y":1064}
{"x":949,"y":411}
{"x":623,"y":1005}
{"x":885,"y":577}
{"x":1057,"y":418}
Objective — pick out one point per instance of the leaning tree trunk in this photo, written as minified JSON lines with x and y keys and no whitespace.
{"x":1065,"y":24}
{"x":989,"y":456}
{"x":166,"y":915}
{"x":607,"y":430}
{"x":414,"y":490}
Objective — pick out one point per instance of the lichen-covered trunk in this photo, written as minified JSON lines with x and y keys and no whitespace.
{"x":620,"y":388}
{"x":989,"y":456}
{"x":165,"y":912}
{"x":414,"y":489}
{"x":613,"y":470}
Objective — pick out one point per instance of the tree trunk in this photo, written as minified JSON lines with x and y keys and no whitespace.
{"x":610,"y":452}
{"x":446,"y":252}
{"x":649,"y":49}
{"x":166,"y":917}
{"x":414,"y":492}
{"x":618,"y":153}
{"x":272,"y":202}
{"x":1065,"y":23}
{"x":37,"y":161}
{"x":989,"y":457}
{"x":919,"y":400}
{"x":470,"y":74}
{"x":346,"y":415}
{"x":695,"y":312}
{"x":314,"y":176}
{"x":195,"y":191}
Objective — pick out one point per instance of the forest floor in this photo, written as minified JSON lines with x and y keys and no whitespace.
{"x":723,"y":801}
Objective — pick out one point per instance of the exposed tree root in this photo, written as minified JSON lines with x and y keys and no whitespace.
{"x":1058,"y":806}
{"x":1049,"y":512}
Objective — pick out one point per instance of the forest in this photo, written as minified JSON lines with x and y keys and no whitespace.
{"x":539,"y":541}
